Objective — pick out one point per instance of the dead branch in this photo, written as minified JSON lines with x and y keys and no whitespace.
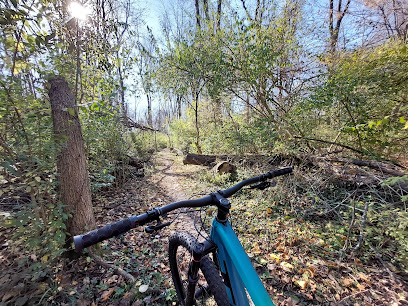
{"x":380,"y":166}
{"x":382,"y":262}
{"x":330,"y":142}
{"x":131,"y":124}
{"x":362,"y":226}
{"x":99,"y":260}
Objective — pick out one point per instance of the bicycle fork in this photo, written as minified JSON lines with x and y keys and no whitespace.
{"x":200,"y":250}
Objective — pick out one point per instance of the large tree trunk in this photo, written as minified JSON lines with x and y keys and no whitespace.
{"x":71,"y":160}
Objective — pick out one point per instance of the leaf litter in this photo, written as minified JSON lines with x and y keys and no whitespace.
{"x":296,"y":266}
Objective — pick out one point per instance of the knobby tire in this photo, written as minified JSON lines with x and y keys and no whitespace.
{"x":181,"y":244}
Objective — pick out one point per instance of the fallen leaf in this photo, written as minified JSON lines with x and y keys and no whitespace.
{"x":365,"y":278}
{"x":312,"y":271}
{"x":302,"y":284}
{"x":8,"y":295}
{"x":337,"y":296}
{"x":360,"y":286}
{"x":271,"y":267}
{"x":275,"y":257}
{"x":106,"y":294}
{"x":347,"y":282}
{"x":21,"y":301}
{"x":256,"y":249}
{"x":286,"y":266}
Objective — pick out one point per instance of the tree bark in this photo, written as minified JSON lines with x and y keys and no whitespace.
{"x":149,"y":110}
{"x":197,"y":143}
{"x":199,"y":159}
{"x":219,"y":10}
{"x":197,"y":7}
{"x":207,"y":13}
{"x":335,"y":28}
{"x":123,"y":106}
{"x":75,"y":190}
{"x":178,"y":99}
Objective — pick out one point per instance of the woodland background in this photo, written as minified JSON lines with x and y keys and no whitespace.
{"x":321,"y":85}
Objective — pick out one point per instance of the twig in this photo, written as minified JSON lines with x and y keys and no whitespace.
{"x":382,"y":262}
{"x":331,"y":142}
{"x":362,"y":225}
{"x":116,"y":270}
{"x":351,"y":295}
{"x":350,"y":228}
{"x":334,"y":141}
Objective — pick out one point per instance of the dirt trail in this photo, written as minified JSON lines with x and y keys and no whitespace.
{"x":168,"y":175}
{"x":171,"y":176}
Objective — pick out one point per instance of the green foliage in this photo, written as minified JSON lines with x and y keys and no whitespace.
{"x":183,"y":134}
{"x":396,"y":181}
{"x":389,"y":234}
{"x":364,"y":98}
{"x":36,"y":44}
{"x":234,"y":135}
{"x":44,"y":236}
{"x":142,"y":143}
{"x":220,"y":180}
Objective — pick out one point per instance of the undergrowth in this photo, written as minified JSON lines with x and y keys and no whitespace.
{"x":303,"y":231}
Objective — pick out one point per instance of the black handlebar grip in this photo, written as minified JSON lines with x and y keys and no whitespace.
{"x":275,"y":173}
{"x":100,"y":234}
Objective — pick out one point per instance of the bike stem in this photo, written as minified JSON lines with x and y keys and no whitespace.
{"x":224,"y":206}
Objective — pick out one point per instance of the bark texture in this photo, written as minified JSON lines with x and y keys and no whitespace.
{"x":75,"y":190}
{"x":199,"y":159}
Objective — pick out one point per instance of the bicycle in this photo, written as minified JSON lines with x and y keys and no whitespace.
{"x":229,"y":276}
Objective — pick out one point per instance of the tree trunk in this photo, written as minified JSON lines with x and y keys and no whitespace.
{"x":334,"y":29}
{"x":197,"y":7}
{"x":207,"y":14}
{"x":197,"y":143}
{"x":71,"y":159}
{"x":149,"y":111}
{"x":219,"y":10}
{"x":178,"y":99}
{"x":123,"y":106}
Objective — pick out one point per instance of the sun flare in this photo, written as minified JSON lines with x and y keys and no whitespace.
{"x":79,"y":11}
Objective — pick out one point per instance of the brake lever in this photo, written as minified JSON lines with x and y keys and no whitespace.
{"x":154,"y":228}
{"x":263,"y":185}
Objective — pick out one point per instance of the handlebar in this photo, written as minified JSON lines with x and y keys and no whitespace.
{"x":114,"y":229}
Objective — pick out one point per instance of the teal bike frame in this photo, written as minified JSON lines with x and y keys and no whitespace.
{"x":236,"y":268}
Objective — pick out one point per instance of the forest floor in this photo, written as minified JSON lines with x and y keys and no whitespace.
{"x":295,"y":264}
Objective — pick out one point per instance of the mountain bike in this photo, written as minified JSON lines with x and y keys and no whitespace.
{"x":216,"y":269}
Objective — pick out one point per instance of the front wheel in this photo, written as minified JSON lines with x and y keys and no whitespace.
{"x":210,"y":288}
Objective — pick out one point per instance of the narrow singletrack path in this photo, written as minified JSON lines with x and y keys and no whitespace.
{"x":174,"y":179}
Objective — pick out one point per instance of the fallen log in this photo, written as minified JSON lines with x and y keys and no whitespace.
{"x":199,"y":159}
{"x":210,"y":160}
{"x":224,"y":167}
